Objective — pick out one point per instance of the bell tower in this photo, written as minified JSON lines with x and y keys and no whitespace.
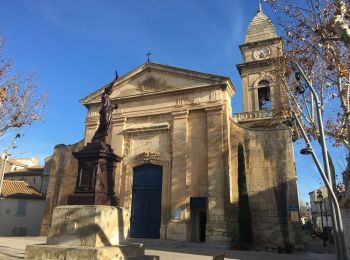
{"x":261,"y":51}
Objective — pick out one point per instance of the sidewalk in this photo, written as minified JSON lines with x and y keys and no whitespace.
{"x":14,"y":247}
{"x":315,"y":245}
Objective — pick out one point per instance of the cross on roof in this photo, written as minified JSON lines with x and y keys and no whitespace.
{"x":148,"y":54}
{"x":260,"y":6}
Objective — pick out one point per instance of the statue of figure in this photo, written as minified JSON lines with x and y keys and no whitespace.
{"x":105,"y":116}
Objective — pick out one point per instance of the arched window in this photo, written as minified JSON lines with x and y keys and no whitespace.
{"x":264,"y":96}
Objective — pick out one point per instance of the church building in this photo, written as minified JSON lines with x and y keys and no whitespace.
{"x":179,"y":140}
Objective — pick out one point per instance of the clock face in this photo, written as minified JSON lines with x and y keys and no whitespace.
{"x":261,"y":53}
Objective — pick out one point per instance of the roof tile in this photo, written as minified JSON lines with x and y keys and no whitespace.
{"x":19,"y":189}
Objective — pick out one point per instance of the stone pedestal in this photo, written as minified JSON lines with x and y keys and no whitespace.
{"x":95,"y":180}
{"x":87,"y":232}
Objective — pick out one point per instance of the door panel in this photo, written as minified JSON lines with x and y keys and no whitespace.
{"x":146,"y":202}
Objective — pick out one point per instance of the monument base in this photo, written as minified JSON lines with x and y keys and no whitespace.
{"x":87,"y":232}
{"x":95,"y":180}
{"x":91,"y":199}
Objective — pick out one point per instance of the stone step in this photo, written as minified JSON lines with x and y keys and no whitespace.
{"x":146,"y":257}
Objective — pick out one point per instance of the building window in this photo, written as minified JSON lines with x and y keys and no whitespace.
{"x":264,"y":95}
{"x":21,"y":208}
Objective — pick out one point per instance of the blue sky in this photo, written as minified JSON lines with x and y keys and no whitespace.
{"x":75,"y":46}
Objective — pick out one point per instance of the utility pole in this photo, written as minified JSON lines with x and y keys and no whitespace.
{"x":6,"y":153}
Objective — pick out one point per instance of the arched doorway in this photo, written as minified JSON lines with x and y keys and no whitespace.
{"x":146,"y":201}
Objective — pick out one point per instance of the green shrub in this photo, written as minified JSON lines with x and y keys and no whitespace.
{"x":244,"y":215}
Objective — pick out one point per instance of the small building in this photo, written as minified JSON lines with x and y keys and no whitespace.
{"x":33,"y":175}
{"x":18,"y":163}
{"x":21,"y":209}
{"x":320,"y":207}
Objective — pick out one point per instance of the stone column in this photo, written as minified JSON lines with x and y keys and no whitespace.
{"x":117,"y":144}
{"x":177,"y":227}
{"x":216,"y":224}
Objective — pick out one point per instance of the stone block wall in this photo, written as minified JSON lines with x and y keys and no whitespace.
{"x":63,"y":169}
{"x":346,"y":223}
{"x":271,"y":184}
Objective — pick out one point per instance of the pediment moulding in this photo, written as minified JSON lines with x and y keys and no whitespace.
{"x":155,"y":79}
{"x":148,"y":155}
{"x":169,"y":92}
{"x":214,"y":109}
{"x":147,"y":128}
{"x":147,"y":158}
{"x":91,"y":122}
{"x":180,"y":114}
{"x":118,"y":120}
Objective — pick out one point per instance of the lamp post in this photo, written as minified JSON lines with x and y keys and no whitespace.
{"x":308,"y":222}
{"x":326,"y":213}
{"x":6,"y":154}
{"x":320,"y":200}
{"x":325,"y":171}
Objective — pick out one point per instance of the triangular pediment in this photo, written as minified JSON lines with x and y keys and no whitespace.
{"x":151,"y":78}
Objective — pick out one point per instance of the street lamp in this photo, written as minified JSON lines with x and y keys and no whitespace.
{"x":306,"y":151}
{"x":325,"y":171}
{"x":6,"y":154}
{"x":320,"y":200}
{"x":300,"y":89}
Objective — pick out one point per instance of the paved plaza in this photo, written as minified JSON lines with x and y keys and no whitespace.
{"x":14,"y":247}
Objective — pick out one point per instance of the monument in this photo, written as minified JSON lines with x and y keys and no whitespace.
{"x":95,"y":180}
{"x":91,"y":226}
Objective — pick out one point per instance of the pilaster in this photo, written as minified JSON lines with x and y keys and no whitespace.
{"x":216,"y":223}
{"x":91,"y":124}
{"x":177,"y":227}
{"x":117,"y":144}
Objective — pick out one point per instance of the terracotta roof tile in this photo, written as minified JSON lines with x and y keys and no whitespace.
{"x":19,"y":189}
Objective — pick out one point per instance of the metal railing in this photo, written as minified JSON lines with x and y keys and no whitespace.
{"x":255,"y":115}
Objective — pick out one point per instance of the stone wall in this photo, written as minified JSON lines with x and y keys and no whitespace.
{"x":271,"y":184}
{"x":198,"y":155}
{"x":63,"y":168}
{"x":346,"y":223}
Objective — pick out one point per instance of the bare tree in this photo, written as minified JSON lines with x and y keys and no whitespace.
{"x":318,"y":39}
{"x":20,"y":103}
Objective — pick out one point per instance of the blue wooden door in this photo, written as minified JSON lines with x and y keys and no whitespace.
{"x":146,"y":201}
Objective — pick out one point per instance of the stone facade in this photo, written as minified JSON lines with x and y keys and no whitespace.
{"x":346,"y":224}
{"x":182,"y":121}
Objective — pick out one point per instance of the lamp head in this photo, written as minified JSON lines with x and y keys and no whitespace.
{"x":288,"y":122}
{"x":319,"y":196}
{"x":300,"y":89}
{"x":306,"y":151}
{"x":297,"y":75}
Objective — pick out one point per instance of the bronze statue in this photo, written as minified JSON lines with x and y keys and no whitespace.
{"x":105,"y":116}
{"x":96,"y":163}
